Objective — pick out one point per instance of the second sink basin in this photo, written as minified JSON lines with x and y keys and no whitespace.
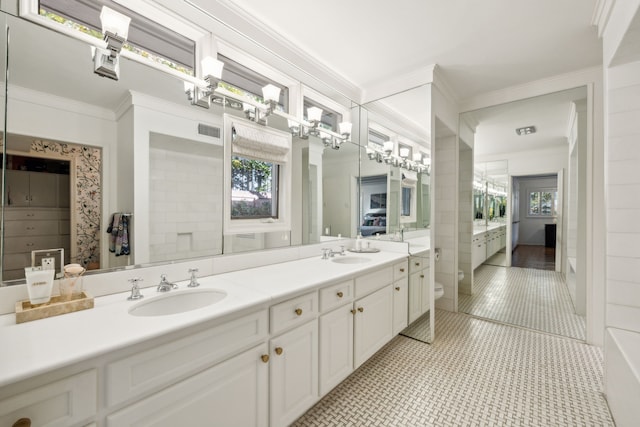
{"x":351,"y":260}
{"x":178,"y":302}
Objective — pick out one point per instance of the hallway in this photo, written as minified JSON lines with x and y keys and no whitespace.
{"x":475,"y":373}
{"x":531,"y":298}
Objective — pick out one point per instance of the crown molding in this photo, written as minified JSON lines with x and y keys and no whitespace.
{"x":601,"y":14}
{"x":398,"y":84}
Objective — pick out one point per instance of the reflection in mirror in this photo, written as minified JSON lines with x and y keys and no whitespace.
{"x":138,"y":148}
{"x":490,"y":218}
{"x":396,"y":198}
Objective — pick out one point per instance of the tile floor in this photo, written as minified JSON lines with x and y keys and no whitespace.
{"x":476,"y":373}
{"x":526,"y":297}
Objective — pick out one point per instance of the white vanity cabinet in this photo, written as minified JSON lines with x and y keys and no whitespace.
{"x":372,"y":324}
{"x":419,"y":287}
{"x":71,"y":401}
{"x":400,"y":297}
{"x":293,"y":359}
{"x":231,"y":393}
{"x":336,"y":334}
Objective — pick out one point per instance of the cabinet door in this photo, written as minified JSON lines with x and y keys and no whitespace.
{"x":17,"y":193}
{"x":373,"y":324}
{"x":232,"y":393}
{"x":64,"y":191}
{"x":415,"y":296}
{"x":43,"y":188}
{"x":400,"y":305}
{"x":336,"y":347}
{"x":427,"y":291}
{"x":294,"y":373}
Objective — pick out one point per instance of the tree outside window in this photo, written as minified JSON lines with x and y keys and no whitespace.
{"x":254,"y":185}
{"x":543,"y":203}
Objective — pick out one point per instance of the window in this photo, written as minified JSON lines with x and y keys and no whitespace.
{"x":406,"y":201}
{"x":330,"y":119}
{"x":543,"y":203}
{"x":146,"y":38}
{"x":254,"y":188}
{"x":378,"y":200}
{"x":243,"y":81}
{"x":257,"y":180}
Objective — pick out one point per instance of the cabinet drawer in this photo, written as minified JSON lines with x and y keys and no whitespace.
{"x":61,"y":403}
{"x":11,"y":214}
{"x":31,"y":228}
{"x":293,"y":312}
{"x":400,"y":270}
{"x":418,"y":263}
{"x":335,"y":295}
{"x":373,"y":281}
{"x":27,"y":244}
{"x":164,"y":364}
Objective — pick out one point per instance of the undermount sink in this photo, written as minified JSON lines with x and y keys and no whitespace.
{"x":178,"y":302}
{"x":351,"y":260}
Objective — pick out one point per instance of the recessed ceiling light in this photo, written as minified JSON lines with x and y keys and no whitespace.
{"x":527,"y":130}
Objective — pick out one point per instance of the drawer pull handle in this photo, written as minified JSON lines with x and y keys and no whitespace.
{"x":298,"y":311}
{"x":360,"y":309}
{"x":265,"y":358}
{"x":29,"y":244}
{"x":22,"y":422}
{"x":278,"y":351}
{"x":340,"y":294}
{"x":402,"y":270}
{"x":353,"y":311}
{"x":397,"y":288}
{"x":422,"y":276}
{"x":417,"y":264}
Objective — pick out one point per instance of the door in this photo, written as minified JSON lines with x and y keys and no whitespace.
{"x":293,"y":367}
{"x":336,"y":347}
{"x":373,"y":324}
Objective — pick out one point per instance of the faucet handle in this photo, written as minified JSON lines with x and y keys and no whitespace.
{"x":325,"y":253}
{"x":135,"y":289}
{"x":194,"y":281}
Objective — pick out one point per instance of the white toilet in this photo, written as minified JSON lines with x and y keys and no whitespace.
{"x":438,"y":291}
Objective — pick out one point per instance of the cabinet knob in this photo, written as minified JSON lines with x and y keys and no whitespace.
{"x":278,"y":350}
{"x":353,"y":311}
{"x":397,"y":288}
{"x":360,"y":309}
{"x":417,"y":264}
{"x":402,"y":270}
{"x":298,"y":311}
{"x":422,"y":276}
{"x":265,"y":358}
{"x":22,"y":422}
{"x":340,"y":294}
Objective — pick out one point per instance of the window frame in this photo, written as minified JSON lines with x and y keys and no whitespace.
{"x":257,"y":225}
{"x":554,"y":202}
{"x":29,"y":10}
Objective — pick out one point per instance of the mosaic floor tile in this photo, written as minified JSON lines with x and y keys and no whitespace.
{"x":476,"y":373}
{"x":526,"y":297}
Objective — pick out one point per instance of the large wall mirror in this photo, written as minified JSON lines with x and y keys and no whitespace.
{"x":86,"y":158}
{"x":396,"y":194}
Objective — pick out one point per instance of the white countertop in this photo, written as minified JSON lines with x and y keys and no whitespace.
{"x":40,"y":346}
{"x":479,"y":229}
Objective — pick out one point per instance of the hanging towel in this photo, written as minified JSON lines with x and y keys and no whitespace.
{"x":119,"y":234}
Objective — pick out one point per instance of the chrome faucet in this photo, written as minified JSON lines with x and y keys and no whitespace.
{"x":194,"y":281}
{"x":165,"y":285}
{"x":328,"y":253}
{"x":135,"y":289}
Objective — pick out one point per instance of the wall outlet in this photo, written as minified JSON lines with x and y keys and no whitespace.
{"x":49,"y":263}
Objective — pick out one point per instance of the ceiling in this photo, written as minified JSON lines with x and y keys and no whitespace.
{"x":479,"y":46}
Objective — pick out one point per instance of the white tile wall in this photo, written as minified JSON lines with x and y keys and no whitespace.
{"x":465,"y":220}
{"x":623,"y":203}
{"x":185,"y":208}
{"x":446,"y":195}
